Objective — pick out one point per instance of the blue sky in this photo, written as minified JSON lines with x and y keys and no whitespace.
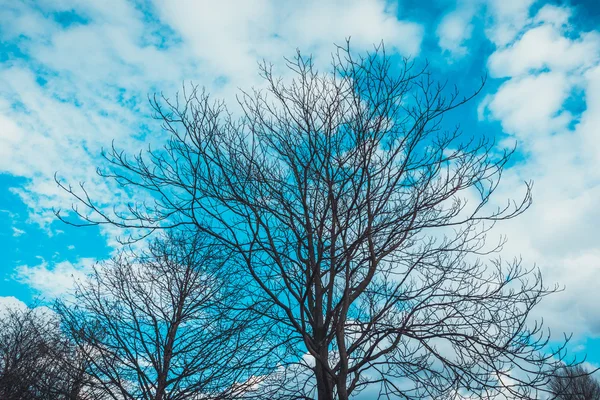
{"x":74,"y":75}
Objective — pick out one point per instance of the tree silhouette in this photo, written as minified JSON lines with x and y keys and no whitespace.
{"x":575,"y":383}
{"x":36,"y":360}
{"x":160,"y":326}
{"x":342,"y":199}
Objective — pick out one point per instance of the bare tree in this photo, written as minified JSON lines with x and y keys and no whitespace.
{"x":159,"y":325}
{"x":35,"y":358}
{"x":343,"y":198}
{"x":575,"y":383}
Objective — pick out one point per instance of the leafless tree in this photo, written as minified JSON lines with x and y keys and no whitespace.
{"x":344,"y":199}
{"x":160,"y":325}
{"x":35,"y":358}
{"x":575,"y":383}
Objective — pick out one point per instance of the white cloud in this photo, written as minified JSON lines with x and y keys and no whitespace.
{"x":508,"y":19}
{"x":11,"y":302}
{"x":17,"y":232}
{"x":365,"y":22}
{"x":56,"y":279}
{"x":229,"y":37}
{"x":531,"y":105}
{"x":545,"y":47}
{"x":504,"y":21}
{"x":547,"y":67}
{"x":552,"y":14}
{"x":455,"y":29}
{"x":587,"y":129}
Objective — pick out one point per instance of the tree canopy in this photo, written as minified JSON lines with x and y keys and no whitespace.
{"x":356,"y":221}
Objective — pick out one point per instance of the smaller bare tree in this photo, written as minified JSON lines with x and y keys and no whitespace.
{"x":160,"y":325}
{"x":575,"y":383}
{"x":33,"y":358}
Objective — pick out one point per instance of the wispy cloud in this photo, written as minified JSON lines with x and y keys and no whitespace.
{"x":17,"y":232}
{"x":56,"y":279}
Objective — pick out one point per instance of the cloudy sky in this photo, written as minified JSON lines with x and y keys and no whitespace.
{"x":75,"y":75}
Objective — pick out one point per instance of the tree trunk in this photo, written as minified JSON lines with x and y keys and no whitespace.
{"x":325,"y":384}
{"x":168,"y":354}
{"x":342,"y":390}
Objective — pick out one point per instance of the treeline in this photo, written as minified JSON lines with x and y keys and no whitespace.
{"x":164,"y":324}
{"x":37,"y":361}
